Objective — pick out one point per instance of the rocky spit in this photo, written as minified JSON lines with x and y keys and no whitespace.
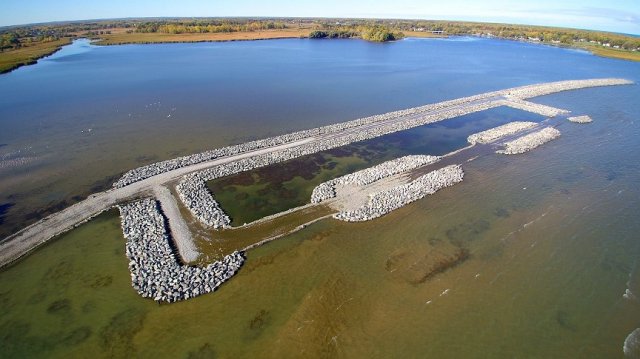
{"x":511,"y":96}
{"x":528,"y":142}
{"x":580,"y":119}
{"x":155,"y":271}
{"x":496,"y":133}
{"x":529,"y":91}
{"x":196,"y":197}
{"x":543,"y":110}
{"x":327,"y":190}
{"x":383,"y":202}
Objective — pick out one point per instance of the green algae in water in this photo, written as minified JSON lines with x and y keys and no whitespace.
{"x":249,"y":196}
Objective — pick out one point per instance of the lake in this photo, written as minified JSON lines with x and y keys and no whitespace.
{"x":552,"y":235}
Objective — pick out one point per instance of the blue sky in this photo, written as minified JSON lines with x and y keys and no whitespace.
{"x":608,"y":15}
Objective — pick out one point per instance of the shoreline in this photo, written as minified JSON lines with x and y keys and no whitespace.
{"x":34,"y":60}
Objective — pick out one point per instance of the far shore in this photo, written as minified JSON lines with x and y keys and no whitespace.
{"x":11,"y":60}
{"x":121,"y":37}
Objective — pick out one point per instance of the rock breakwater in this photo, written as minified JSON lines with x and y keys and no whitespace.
{"x":580,"y":119}
{"x":496,"y":133}
{"x":327,"y":190}
{"x":528,"y":142}
{"x":196,"y":197}
{"x":383,"y":202}
{"x":155,"y":271}
{"x":542,"y":110}
{"x":509,"y":97}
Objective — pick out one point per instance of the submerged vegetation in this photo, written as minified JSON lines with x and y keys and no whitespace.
{"x":21,"y":45}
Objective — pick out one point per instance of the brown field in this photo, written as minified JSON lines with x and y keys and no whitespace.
{"x":611,"y":52}
{"x":421,"y":34}
{"x":12,"y":59}
{"x":121,"y":37}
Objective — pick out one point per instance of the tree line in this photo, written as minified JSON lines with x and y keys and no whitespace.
{"x":216,"y":26}
{"x":375,"y":33}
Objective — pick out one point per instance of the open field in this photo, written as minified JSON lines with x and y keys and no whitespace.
{"x":27,"y":55}
{"x":610,"y":52}
{"x":117,"y":37}
{"x":424,"y":34}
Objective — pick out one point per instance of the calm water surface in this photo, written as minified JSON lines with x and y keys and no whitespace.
{"x":552,"y":235}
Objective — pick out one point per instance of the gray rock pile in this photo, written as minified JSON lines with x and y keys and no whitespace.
{"x":528,"y":142}
{"x":496,"y":133}
{"x":367,"y":176}
{"x":196,"y":197}
{"x":529,"y":91}
{"x":414,"y":117}
{"x":543,"y":110}
{"x":383,"y":202}
{"x":580,"y":119}
{"x":155,"y":271}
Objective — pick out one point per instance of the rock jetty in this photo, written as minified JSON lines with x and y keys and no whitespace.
{"x":195,"y":196}
{"x":580,"y":119}
{"x":383,"y":202}
{"x":529,"y":91}
{"x":327,"y":190}
{"x":496,"y":133}
{"x":414,"y":116}
{"x":155,"y":271}
{"x":543,"y":110}
{"x":528,"y":142}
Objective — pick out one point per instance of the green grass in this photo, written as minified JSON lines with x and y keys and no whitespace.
{"x":611,"y":52}
{"x":12,"y":59}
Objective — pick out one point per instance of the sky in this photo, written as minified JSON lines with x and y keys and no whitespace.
{"x":608,"y":15}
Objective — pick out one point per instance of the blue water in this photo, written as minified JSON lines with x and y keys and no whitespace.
{"x":552,"y":235}
{"x":99,"y":111}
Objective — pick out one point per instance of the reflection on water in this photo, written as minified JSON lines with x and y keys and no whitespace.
{"x":530,"y":256}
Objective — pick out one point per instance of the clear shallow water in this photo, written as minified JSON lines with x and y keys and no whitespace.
{"x":552,"y":235}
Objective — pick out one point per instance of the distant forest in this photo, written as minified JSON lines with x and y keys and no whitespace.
{"x":373,"y":30}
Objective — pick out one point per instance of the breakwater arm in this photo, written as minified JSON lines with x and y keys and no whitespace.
{"x":140,"y":182}
{"x":529,"y":142}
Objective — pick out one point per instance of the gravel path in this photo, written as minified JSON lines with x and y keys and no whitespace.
{"x":179,"y":230}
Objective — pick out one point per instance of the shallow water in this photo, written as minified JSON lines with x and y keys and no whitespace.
{"x":551,"y":236}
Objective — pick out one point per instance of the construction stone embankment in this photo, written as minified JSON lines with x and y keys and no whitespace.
{"x":528,"y":142}
{"x":327,"y":190}
{"x":496,"y":133}
{"x":381,"y":203}
{"x":156,"y":273}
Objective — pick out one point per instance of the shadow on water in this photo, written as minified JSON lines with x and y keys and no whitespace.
{"x":4,"y":208}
